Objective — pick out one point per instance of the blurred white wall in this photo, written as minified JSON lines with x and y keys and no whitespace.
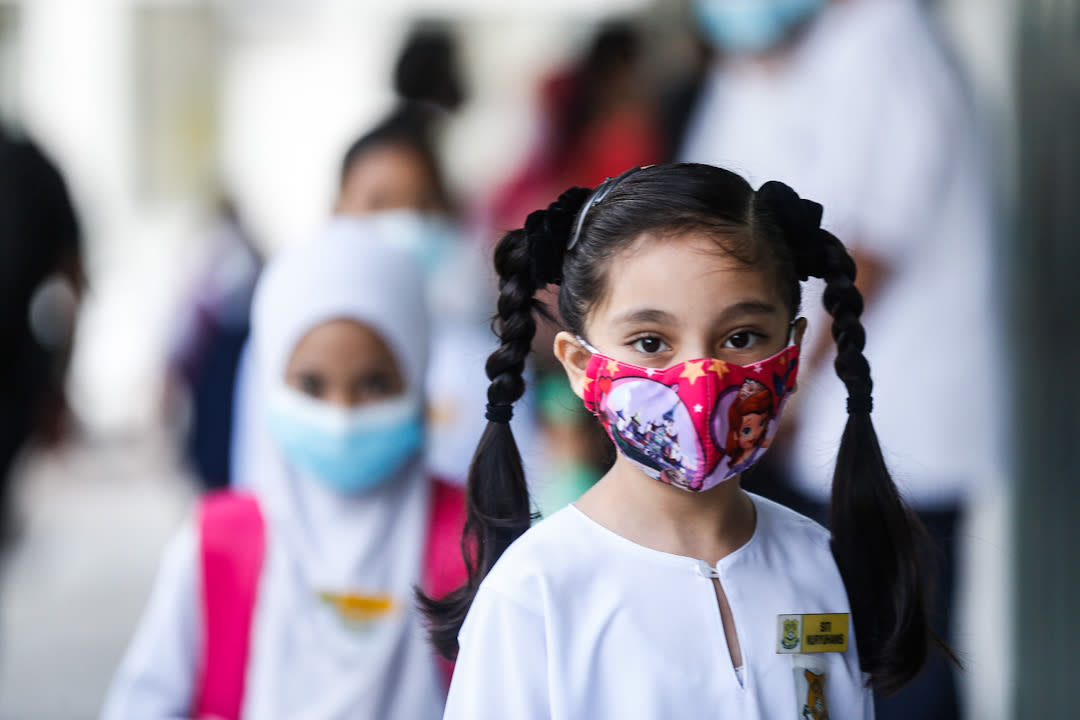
{"x":295,"y":82}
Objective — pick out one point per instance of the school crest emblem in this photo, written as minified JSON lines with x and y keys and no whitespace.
{"x":791,"y":634}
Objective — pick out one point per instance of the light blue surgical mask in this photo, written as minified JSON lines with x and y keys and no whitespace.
{"x":431,"y":239}
{"x":349,"y":449}
{"x":750,"y":26}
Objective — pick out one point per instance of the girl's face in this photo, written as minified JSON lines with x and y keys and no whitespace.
{"x":391,"y":177}
{"x":673,"y":298}
{"x":344,"y":363}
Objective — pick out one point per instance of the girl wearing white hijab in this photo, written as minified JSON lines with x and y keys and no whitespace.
{"x":339,"y":340}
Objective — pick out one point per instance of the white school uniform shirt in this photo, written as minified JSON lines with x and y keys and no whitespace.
{"x":867,"y":117}
{"x":575,"y":621}
{"x":304,"y":660}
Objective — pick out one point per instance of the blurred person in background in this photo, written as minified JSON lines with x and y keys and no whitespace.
{"x":393,"y":175}
{"x":41,"y":279}
{"x":296,"y":600}
{"x":396,"y":164}
{"x":596,"y":121}
{"x":856,"y":103}
{"x":213,"y":330}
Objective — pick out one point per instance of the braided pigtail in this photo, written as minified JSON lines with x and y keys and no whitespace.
{"x":498,"y":510}
{"x":877,"y":540}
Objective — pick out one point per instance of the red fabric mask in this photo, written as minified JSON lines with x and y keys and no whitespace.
{"x":695,"y":424}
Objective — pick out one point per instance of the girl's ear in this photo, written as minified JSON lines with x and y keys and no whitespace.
{"x":800,"y":330}
{"x":574,"y":359}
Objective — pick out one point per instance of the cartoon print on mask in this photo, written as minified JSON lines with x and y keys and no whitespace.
{"x":673,"y":423}
{"x":815,"y":707}
{"x":746,"y":416}
{"x":749,"y":416}
{"x":653,"y":444}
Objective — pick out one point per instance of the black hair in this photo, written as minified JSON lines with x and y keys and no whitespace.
{"x":39,"y":236}
{"x":876,"y":538}
{"x":411,"y":125}
{"x":428,"y":82}
{"x":427,"y":68}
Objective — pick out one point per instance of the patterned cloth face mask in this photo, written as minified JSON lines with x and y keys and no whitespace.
{"x":695,"y":424}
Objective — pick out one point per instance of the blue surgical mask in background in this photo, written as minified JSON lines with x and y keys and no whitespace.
{"x":457,"y":273}
{"x":349,"y":449}
{"x":431,"y":239}
{"x":750,"y":26}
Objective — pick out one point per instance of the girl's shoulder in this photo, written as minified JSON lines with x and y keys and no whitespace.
{"x":556,"y":550}
{"x":555,"y":533}
{"x":779,"y":523}
{"x":567,"y":553}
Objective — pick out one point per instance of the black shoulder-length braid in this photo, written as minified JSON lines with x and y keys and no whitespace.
{"x":497,"y":502}
{"x":877,"y":540}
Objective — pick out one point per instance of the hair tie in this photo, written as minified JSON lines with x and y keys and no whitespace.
{"x":602,"y":191}
{"x":499,"y":413}
{"x":800,"y":220}
{"x":546,"y":232}
{"x":860,"y":404}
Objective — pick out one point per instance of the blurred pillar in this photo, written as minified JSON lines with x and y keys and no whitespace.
{"x":1044,"y":265}
{"x":9,"y":32}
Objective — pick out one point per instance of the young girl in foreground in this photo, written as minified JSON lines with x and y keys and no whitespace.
{"x":312,"y":617}
{"x":667,"y":591}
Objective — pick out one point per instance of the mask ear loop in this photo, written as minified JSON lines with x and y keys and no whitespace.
{"x":585,"y":344}
{"x":791,"y":332}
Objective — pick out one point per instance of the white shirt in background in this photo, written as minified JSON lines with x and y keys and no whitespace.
{"x":867,"y":117}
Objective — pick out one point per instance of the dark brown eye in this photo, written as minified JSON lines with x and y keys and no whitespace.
{"x":743,"y":340}
{"x":311,"y":384}
{"x":649,"y":345}
{"x":739,"y":340}
{"x":375,"y":385}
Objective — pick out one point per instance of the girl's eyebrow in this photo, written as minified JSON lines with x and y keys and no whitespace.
{"x":644,"y":316}
{"x":729,"y":314}
{"x":742,"y":309}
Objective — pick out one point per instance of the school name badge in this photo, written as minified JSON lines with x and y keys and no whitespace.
{"x":816,"y":633}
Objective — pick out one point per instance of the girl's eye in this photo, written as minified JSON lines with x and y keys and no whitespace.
{"x":376,"y":384}
{"x":312,"y":385}
{"x":649,"y":345}
{"x":743,"y":340}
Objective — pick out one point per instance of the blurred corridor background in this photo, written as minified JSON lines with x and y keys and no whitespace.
{"x":160,"y":113}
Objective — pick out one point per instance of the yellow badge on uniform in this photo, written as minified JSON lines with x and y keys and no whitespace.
{"x":815,"y":633}
{"x":810,"y":677}
{"x":359,"y":611}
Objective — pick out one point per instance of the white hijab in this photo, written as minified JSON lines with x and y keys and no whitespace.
{"x":306,"y":662}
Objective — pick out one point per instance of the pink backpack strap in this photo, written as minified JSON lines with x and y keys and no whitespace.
{"x":444,"y":567}
{"x":232,"y":545}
